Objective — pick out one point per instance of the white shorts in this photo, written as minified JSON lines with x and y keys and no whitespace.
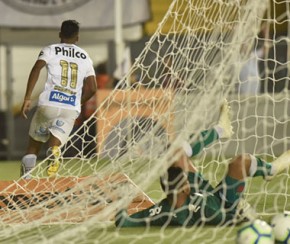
{"x":57,"y":121}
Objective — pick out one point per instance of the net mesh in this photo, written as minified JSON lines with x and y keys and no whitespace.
{"x":174,"y":89}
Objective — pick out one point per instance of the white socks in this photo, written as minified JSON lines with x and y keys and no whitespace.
{"x":187,"y":148}
{"x":219,"y":130}
{"x":28,"y":163}
{"x":254,"y":165}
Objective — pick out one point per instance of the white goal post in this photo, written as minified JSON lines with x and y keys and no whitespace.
{"x":183,"y":76}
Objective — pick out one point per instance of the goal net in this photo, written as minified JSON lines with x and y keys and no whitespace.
{"x":173,"y":90}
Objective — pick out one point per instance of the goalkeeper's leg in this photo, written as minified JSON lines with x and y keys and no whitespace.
{"x":223,"y":129}
{"x":267,"y":170}
{"x":245,"y":166}
{"x":278,"y":165}
{"x":231,"y":189}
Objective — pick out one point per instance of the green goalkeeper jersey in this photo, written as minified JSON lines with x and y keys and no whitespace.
{"x":202,"y":206}
{"x":157,"y":215}
{"x":208,"y":201}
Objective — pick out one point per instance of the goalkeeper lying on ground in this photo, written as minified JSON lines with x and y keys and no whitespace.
{"x":190,"y":199}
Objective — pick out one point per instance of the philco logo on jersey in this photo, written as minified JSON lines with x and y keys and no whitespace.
{"x":69,"y":52}
{"x":62,"y":98}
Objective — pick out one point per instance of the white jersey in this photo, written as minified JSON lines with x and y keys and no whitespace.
{"x":67,"y":65}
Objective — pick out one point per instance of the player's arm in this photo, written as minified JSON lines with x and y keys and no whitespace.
{"x":89,"y":89}
{"x":33,"y":77}
{"x":122,"y":219}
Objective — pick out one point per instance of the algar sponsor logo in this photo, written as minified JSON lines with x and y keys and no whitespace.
{"x":62,"y":98}
{"x":69,"y":52}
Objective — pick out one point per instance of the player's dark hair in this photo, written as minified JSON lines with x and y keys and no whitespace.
{"x":172,"y":179}
{"x":69,"y":28}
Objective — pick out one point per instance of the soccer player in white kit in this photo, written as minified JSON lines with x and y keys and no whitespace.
{"x":69,"y":69}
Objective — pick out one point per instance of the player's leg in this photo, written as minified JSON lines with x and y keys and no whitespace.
{"x":244,"y":166}
{"x":280,"y":164}
{"x":204,"y":139}
{"x":54,"y":154}
{"x":260,"y":167}
{"x":38,"y":134}
{"x":247,"y":165}
{"x":232,"y":187}
{"x":62,"y":124}
{"x":224,"y":127}
{"x":222,"y":130}
{"x":28,"y":161}
{"x":140,"y":218}
{"x":34,"y":146}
